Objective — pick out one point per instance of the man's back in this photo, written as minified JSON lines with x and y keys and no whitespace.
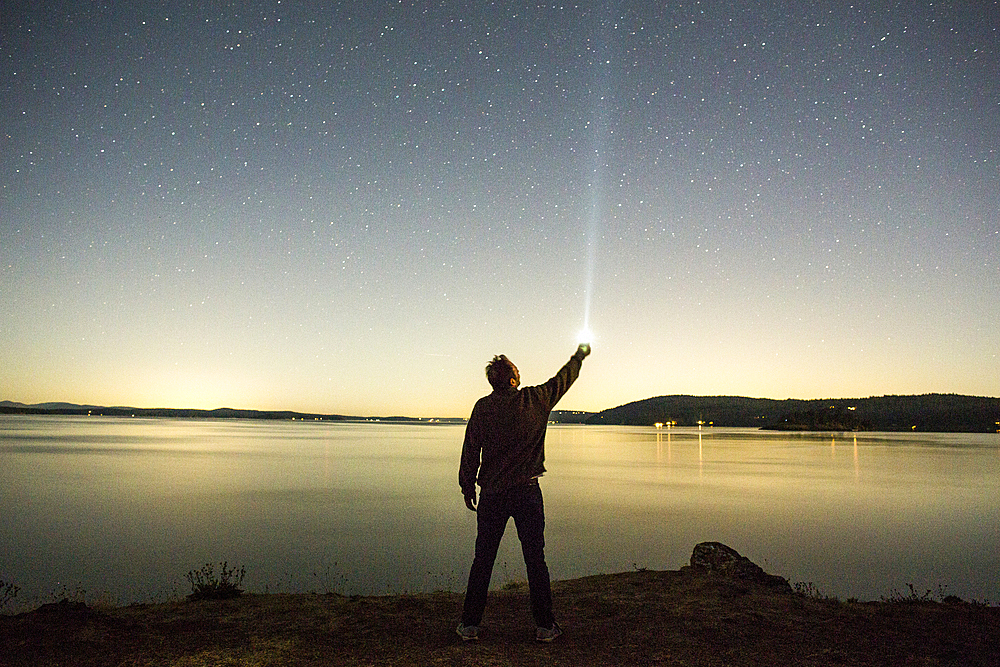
{"x":505,"y":436}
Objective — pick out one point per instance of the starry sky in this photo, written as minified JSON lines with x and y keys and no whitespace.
{"x":350,"y":207}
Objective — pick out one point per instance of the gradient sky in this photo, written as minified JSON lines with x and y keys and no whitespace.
{"x":349,"y":207}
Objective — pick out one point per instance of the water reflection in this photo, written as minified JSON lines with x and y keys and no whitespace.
{"x":129,"y":506}
{"x":857,"y":469}
{"x":890,"y":514}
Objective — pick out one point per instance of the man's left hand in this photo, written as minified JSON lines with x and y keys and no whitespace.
{"x":470,"y":502}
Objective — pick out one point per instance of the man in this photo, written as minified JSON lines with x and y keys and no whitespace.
{"x":505,"y":444}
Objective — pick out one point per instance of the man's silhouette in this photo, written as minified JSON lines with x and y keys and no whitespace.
{"x":505,"y":445}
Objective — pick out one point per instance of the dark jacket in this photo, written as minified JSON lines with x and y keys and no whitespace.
{"x":505,"y":436}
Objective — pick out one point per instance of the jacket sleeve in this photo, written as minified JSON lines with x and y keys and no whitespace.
{"x":471,"y":450}
{"x":560,"y":383}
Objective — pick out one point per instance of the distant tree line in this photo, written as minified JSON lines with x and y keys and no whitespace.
{"x":927,"y":412}
{"x":176,"y":413}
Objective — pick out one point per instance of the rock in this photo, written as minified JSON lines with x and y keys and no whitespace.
{"x":65,"y":607}
{"x":718,"y":558}
{"x":61,"y":615}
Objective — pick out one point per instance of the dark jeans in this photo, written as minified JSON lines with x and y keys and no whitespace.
{"x":524,"y":503}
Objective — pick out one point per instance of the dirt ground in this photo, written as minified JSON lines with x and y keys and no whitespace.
{"x":671,"y":618}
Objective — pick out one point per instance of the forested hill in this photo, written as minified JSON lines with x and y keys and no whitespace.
{"x":927,"y":412}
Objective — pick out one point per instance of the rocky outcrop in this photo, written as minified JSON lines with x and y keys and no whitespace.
{"x":720,"y":559}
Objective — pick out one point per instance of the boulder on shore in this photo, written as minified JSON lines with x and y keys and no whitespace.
{"x":720,"y":559}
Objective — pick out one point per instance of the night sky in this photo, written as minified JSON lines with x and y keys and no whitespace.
{"x":351,"y":207}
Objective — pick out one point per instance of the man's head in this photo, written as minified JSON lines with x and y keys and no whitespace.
{"x":502,"y":373}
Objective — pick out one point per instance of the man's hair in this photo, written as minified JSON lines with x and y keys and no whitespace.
{"x":500,"y":372}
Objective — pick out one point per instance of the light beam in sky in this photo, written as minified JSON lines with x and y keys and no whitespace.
{"x":591,"y":250}
{"x":600,"y":119}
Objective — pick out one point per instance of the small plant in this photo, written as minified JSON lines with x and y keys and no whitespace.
{"x":74,"y":594}
{"x":808,"y":589}
{"x":8,"y":591}
{"x":205,"y":585}
{"x":329,"y":581}
{"x":444,"y":581}
{"x":913,"y":596}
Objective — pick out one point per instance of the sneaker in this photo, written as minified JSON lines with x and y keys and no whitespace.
{"x":548,"y":634}
{"x":468,"y":633}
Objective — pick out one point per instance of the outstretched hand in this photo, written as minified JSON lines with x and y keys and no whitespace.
{"x":583,"y":350}
{"x":470,"y":502}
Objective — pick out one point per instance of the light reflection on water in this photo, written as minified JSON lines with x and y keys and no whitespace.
{"x":123,"y":508}
{"x":857,"y":514}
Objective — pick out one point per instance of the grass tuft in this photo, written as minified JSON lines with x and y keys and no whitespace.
{"x":912,"y":596}
{"x":8,"y":591}
{"x":808,"y":589}
{"x":206,"y":585}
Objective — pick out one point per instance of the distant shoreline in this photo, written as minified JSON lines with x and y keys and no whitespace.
{"x":218,"y":413}
{"x":931,"y":413}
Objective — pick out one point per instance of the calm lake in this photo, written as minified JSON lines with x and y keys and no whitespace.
{"x":122,"y":509}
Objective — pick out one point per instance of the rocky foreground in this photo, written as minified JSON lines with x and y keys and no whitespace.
{"x":713,"y":612}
